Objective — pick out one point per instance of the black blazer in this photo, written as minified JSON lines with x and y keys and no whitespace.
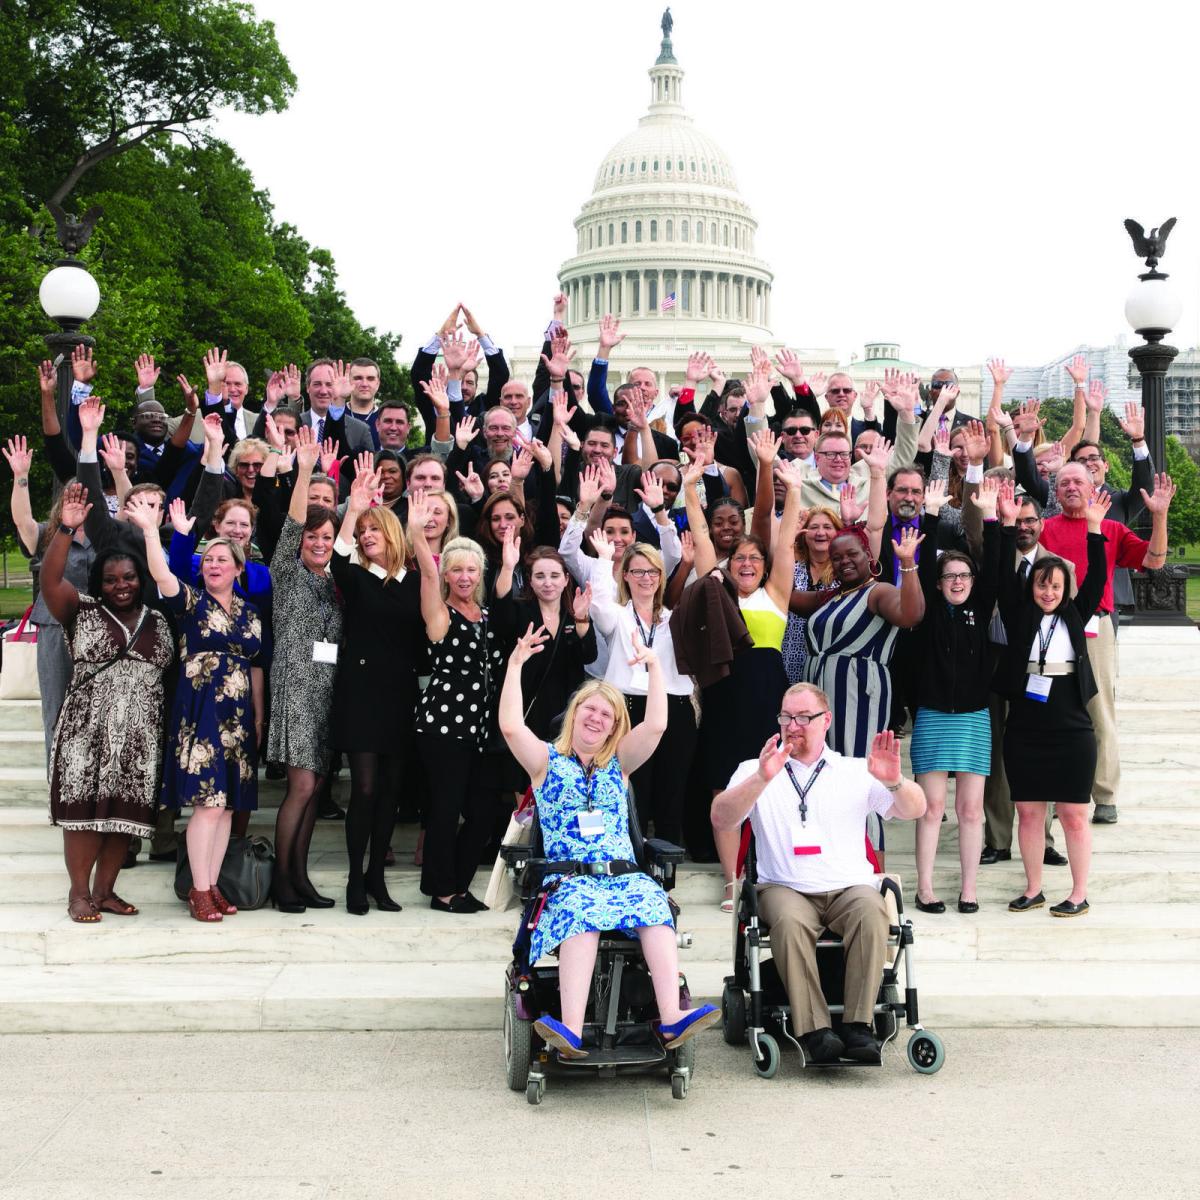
{"x":1022,"y":617}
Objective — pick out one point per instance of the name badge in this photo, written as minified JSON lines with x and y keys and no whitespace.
{"x":325,"y":652}
{"x":591,"y":824}
{"x":1092,"y":628}
{"x":1037,"y":687}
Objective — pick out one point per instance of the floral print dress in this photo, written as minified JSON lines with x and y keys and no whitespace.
{"x":212,"y":759}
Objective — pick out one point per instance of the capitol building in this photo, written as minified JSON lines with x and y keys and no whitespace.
{"x":666,"y":223}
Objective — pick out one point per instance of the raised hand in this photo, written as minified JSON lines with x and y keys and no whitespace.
{"x":531,"y":642}
{"x":765,"y":446}
{"x":18,"y":456}
{"x":342,"y":387}
{"x":608,"y":478}
{"x":112,"y":453}
{"x":83,"y":365}
{"x":788,"y":364}
{"x":418,"y":512}
{"x":1160,"y":499}
{"x":1008,"y":507}
{"x":610,"y":335}
{"x":716,"y":376}
{"x":138,"y":511}
{"x":651,"y":491}
{"x":581,"y":603}
{"x":455,"y":351}
{"x":447,"y":326}
{"x":851,"y":507}
{"x":275,"y":390}
{"x":878,"y":457}
{"x":698,"y":366}
{"x":466,"y":432}
{"x":522,"y":463}
{"x":274,"y":434}
{"x":75,"y":507}
{"x":214,"y":434}
{"x":791,"y":471}
{"x":687,"y":547}
{"x":642,"y":655}
{"x":1134,"y":422}
{"x":935,"y":496}
{"x":47,"y":378}
{"x":1101,"y":502}
{"x":1025,"y":420}
{"x":561,"y":354}
{"x":510,"y":549}
{"x":329,"y":452}
{"x":1077,"y":368}
{"x":906,"y":392}
{"x":870,"y":397}
{"x":470,"y":483}
{"x":941,"y":441}
{"x":818,"y":382}
{"x":706,"y":445}
{"x":987,"y":497}
{"x":177,"y":513}
{"x":147,"y":372}
{"x":758,"y":383}
{"x":562,"y":410}
{"x":1053,"y":457}
{"x":560,"y":307}
{"x":772,"y":757}
{"x":91,"y":414}
{"x":906,"y":547}
{"x":364,"y":491}
{"x":307,"y":448}
{"x":590,"y":484}
{"x":1000,"y":373}
{"x":472,"y":324}
{"x":1097,"y":395}
{"x":603,"y":547}
{"x":215,"y":361}
{"x":541,"y":454}
{"x":693,"y":472}
{"x":883,"y":763}
{"x":190,"y":399}
{"x":435,"y":389}
{"x":947,"y":397}
{"x":291,"y":382}
{"x":976,"y":441}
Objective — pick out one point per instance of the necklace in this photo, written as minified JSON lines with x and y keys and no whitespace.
{"x":846,"y":591}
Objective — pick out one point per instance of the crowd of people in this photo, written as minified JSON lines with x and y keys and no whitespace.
{"x":321,"y":582}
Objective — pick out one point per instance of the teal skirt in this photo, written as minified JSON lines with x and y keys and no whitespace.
{"x":952,"y":742}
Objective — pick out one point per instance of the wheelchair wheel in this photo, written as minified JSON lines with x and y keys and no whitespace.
{"x":926,"y":1052}
{"x":679,"y":1086}
{"x":768,"y":1064}
{"x":535,"y":1089}
{"x":733,"y":1015}
{"x":684,"y":1056}
{"x":518,"y":1046}
{"x":887,"y":1024}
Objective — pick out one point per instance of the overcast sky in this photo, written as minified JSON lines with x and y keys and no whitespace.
{"x":951,"y":176}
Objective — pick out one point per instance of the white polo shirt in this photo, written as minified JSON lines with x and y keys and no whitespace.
{"x":827,"y":852}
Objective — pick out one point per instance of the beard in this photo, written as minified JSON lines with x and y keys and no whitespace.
{"x":906,"y":510}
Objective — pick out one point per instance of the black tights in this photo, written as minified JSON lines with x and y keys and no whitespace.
{"x":293,"y":832}
{"x":374,"y":779}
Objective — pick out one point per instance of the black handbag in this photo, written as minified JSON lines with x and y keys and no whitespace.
{"x":245,"y":878}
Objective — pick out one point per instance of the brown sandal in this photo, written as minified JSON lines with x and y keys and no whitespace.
{"x":200,"y":905}
{"x":112,"y":903}
{"x":82,"y":911}
{"x":222,"y":905}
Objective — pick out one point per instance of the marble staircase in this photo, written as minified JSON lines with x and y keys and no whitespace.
{"x":1134,"y":960}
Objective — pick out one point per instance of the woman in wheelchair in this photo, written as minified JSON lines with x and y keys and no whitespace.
{"x":580,"y":782}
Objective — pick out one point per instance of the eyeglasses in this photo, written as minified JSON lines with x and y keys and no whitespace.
{"x":754,"y":560}
{"x":955,"y":576}
{"x":1030,"y":521}
{"x":935,"y":384}
{"x":643,"y":572}
{"x":795,"y":430}
{"x":834,"y":454}
{"x":801,"y":719}
{"x":1088,"y":459}
{"x":249,"y":466}
{"x":839,"y":391}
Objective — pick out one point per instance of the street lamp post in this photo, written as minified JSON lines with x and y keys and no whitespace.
{"x":69,"y":296}
{"x":1153,"y":308}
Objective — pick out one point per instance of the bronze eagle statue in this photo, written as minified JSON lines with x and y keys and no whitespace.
{"x":1150,"y":246}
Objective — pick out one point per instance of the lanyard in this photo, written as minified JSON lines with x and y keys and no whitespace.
{"x":1044,"y":644}
{"x":589,"y":781}
{"x":647,"y":634}
{"x":802,"y":792}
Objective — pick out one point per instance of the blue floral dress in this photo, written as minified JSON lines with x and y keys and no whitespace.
{"x":586,"y":903}
{"x":212,"y":759}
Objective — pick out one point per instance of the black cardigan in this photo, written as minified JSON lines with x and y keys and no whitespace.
{"x":1022,"y":617}
{"x":952,"y":654}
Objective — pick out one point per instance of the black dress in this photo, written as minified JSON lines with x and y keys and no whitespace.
{"x":383,"y":645}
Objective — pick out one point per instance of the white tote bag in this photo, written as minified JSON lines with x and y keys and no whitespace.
{"x":18,"y":671}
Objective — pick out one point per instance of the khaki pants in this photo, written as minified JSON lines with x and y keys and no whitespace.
{"x":859,"y":916}
{"x":1102,"y":708}
{"x":998,"y":808}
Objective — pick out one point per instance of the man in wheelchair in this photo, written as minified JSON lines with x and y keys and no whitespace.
{"x":593,"y":884}
{"x":808,"y":807}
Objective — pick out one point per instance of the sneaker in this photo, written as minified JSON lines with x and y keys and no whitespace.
{"x":1105,"y":814}
{"x":822,"y":1046}
{"x":861,"y":1044}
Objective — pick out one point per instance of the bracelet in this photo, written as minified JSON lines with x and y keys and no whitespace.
{"x":67,"y":530}
{"x":895,"y":787}
{"x":906,"y":570}
{"x":659,"y":508}
{"x":272,"y":450}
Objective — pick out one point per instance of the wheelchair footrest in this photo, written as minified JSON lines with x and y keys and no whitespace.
{"x":618,"y":1056}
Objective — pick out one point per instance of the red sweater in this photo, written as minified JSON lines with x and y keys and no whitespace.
{"x":1067,"y":537}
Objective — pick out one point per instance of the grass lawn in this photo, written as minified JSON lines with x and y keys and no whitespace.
{"x":14,"y":601}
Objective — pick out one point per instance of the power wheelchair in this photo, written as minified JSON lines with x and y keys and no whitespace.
{"x":620,"y":1031}
{"x":754,"y":1003}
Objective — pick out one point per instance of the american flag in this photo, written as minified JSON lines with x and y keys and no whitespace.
{"x":668,"y":302}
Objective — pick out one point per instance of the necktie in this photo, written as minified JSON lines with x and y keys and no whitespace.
{"x":320,"y":429}
{"x":1024,"y":568}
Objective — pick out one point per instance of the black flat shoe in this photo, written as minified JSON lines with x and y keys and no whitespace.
{"x":822,"y":1046}
{"x":456,"y":904}
{"x":163,"y":856}
{"x":330,"y":810}
{"x":1067,"y":909}
{"x":476,"y":904}
{"x":1052,"y":858}
{"x":967,"y":906}
{"x":992,"y":855}
{"x":1025,"y":903}
{"x":861,"y":1045}
{"x":931,"y":906}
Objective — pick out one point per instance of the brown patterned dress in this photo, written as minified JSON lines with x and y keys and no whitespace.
{"x":107,"y":749}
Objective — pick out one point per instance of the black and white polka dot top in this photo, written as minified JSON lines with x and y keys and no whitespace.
{"x":460,"y":701}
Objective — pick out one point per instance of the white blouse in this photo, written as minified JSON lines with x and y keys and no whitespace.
{"x":1059,"y":650}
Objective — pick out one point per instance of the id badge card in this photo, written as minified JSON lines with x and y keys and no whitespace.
{"x":1037,"y":687}
{"x":1092,"y":628}
{"x":325,"y":652}
{"x":591,"y":824}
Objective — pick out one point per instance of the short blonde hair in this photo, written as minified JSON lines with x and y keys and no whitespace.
{"x":250,"y":445}
{"x":395,"y":552}
{"x":455,"y":550}
{"x":812,"y":690}
{"x":608,"y":693}
{"x":237,"y":552}
{"x":655,"y":559}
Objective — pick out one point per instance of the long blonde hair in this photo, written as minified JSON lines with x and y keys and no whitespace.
{"x":655,"y":559}
{"x":614,"y":699}
{"x":395,"y":547}
{"x":825,"y":575}
{"x":455,"y":549}
{"x":451,"y":533}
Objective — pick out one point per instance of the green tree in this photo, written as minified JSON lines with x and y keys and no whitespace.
{"x":1183,"y":521}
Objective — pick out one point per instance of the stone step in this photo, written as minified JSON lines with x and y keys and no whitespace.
{"x":85,"y":998}
{"x":33,"y":934}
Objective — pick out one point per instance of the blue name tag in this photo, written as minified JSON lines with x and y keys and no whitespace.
{"x":1037,"y":687}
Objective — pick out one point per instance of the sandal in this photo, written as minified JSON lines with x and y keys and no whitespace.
{"x":200,"y":905}
{"x":727,"y":903}
{"x":83,"y":911}
{"x":112,"y":903}
{"x":221,"y":904}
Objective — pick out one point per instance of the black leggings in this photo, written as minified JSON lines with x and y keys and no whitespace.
{"x":660,"y":784}
{"x":460,"y":784}
{"x":371,"y":815}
